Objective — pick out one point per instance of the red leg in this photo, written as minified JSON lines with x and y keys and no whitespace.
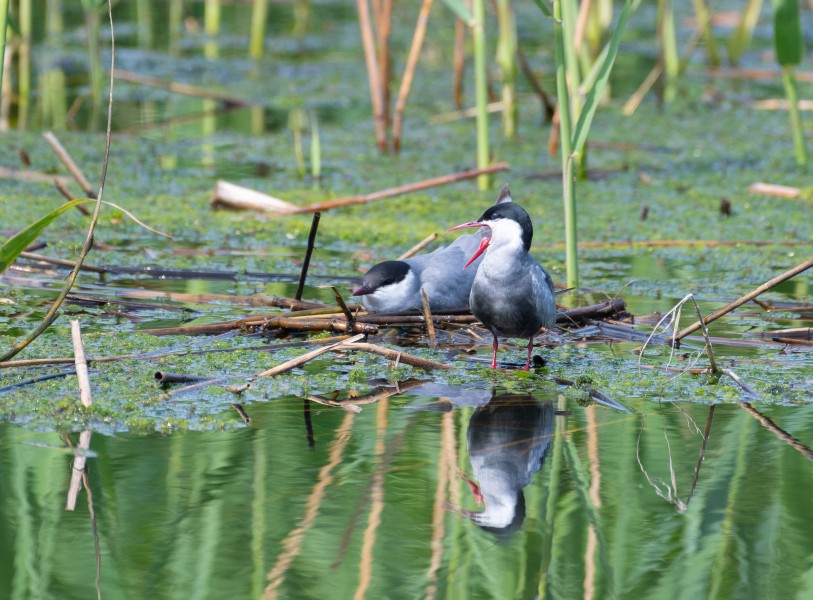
{"x":530,"y":348}
{"x":494,"y":356}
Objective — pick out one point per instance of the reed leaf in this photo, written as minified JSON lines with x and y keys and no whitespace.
{"x":741,"y":38}
{"x":3,"y":28}
{"x":543,"y":6}
{"x":594,"y":94}
{"x":459,"y":8}
{"x":787,"y":35}
{"x":12,"y":248}
{"x":787,"y":32}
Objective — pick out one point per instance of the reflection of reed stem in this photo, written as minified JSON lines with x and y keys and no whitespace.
{"x":376,"y":503}
{"x":78,"y":469}
{"x":94,"y":529}
{"x":595,"y":498}
{"x":292,"y":545}
{"x":778,"y":431}
{"x":446,"y":470}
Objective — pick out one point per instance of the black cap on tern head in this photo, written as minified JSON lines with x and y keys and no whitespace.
{"x":513,"y":211}
{"x":385,"y":273}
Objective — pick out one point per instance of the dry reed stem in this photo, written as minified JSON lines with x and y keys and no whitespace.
{"x":292,"y":544}
{"x":61,"y":262}
{"x":154,"y":356}
{"x":581,"y":25}
{"x":755,"y":74}
{"x":237,"y":197}
{"x":409,"y":73}
{"x":299,"y":360}
{"x":458,"y":61}
{"x":342,"y":305}
{"x":419,"y":246}
{"x":373,"y":73}
{"x":179,"y":88}
{"x":81,"y":364}
{"x":634,"y":101}
{"x":781,"y":104}
{"x":415,"y":361}
{"x":465,"y":113}
{"x":72,"y":167}
{"x":743,"y":299}
{"x":406,"y":188}
{"x":540,"y":92}
{"x":60,"y":186}
{"x":427,"y":315}
{"x":773,"y":189}
{"x":35,"y":176}
{"x":383,"y":18}
{"x":677,"y":243}
{"x":308,"y":252}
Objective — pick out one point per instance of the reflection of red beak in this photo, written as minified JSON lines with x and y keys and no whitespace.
{"x":483,"y":243}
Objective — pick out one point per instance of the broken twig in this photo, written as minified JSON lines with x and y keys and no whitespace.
{"x":308,"y":252}
{"x":742,"y":300}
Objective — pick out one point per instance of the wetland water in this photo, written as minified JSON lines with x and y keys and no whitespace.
{"x":628,"y":482}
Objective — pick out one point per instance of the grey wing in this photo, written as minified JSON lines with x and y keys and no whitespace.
{"x":446,"y":282}
{"x":545,"y":296}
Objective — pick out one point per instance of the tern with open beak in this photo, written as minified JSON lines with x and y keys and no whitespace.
{"x":394,"y":286}
{"x":512,"y":295}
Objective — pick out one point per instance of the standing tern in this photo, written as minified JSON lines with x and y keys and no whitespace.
{"x":512,"y":295}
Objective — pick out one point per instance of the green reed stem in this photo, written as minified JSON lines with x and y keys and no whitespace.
{"x":703,"y":16}
{"x":480,"y":90}
{"x":24,"y":71}
{"x":565,"y":133}
{"x":669,"y":50}
{"x":316,"y":149}
{"x":175,"y":24}
{"x":507,"y":59}
{"x":259,"y":12}
{"x":3,"y":27}
{"x":792,"y":94}
{"x":741,"y":38}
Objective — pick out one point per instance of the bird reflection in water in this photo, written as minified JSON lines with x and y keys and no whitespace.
{"x":508,"y":439}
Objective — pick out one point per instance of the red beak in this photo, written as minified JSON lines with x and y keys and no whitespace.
{"x":483,"y":243}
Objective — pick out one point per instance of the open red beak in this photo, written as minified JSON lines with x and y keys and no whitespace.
{"x":483,"y":243}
